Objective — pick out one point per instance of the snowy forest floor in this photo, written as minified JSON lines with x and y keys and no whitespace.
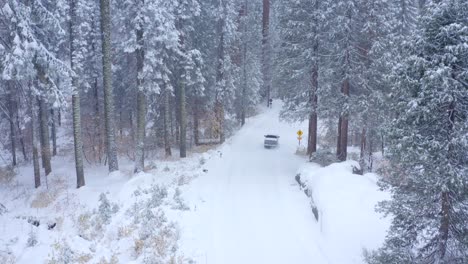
{"x":238,"y":203}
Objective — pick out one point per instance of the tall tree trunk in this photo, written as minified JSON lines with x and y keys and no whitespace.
{"x":21,"y":137}
{"x":167,"y":117}
{"x":11,"y":113}
{"x":34,"y":142}
{"x":196,"y":122}
{"x":219,"y":105}
{"x":76,"y":108}
{"x":44,"y":131}
{"x":183,"y":120}
{"x":363,"y":143}
{"x":141,"y":105}
{"x":344,"y":126}
{"x":370,"y":160}
{"x":338,"y":140}
{"x":98,"y":148}
{"x":107,"y":82}
{"x":243,"y":14}
{"x":382,"y":145}
{"x":182,"y":97}
{"x":444,"y":224}
{"x":312,"y":139}
{"x":266,"y":50}
{"x":54,"y":133}
{"x":445,"y":199}
{"x":362,"y":156}
{"x":59,"y":117}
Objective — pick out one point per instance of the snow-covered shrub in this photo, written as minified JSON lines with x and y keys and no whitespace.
{"x":158,"y":194}
{"x":105,"y":209}
{"x":323,"y":157}
{"x":183,"y":180}
{"x":202,"y":161}
{"x":2,"y":209}
{"x":83,"y":224}
{"x":6,"y":254}
{"x":125,"y":231}
{"x":7,"y":257}
{"x":43,"y":199}
{"x":62,"y":253}
{"x":179,"y":203}
{"x":32,"y":239}
{"x":161,"y":247}
{"x":112,"y":260}
{"x":7,"y":174}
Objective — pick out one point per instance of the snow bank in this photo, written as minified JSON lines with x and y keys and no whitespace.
{"x":346,"y":203}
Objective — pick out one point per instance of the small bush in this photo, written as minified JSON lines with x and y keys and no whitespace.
{"x":7,"y":174}
{"x":62,"y":253}
{"x":7,"y":257}
{"x":179,"y":201}
{"x":3,"y":209}
{"x":32,"y":239}
{"x":158,"y":194}
{"x":323,"y":157}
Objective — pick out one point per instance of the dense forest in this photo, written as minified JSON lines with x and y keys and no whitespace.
{"x":142,"y":79}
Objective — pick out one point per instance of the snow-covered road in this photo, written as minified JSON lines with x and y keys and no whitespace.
{"x":249,"y":209}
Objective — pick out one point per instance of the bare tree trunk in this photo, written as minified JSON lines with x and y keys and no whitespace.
{"x":444,"y":224}
{"x":243,"y":14}
{"x":338,"y":140}
{"x":76,"y":108}
{"x":107,"y":81}
{"x":220,"y":117}
{"x":167,"y":117}
{"x":35,"y":147}
{"x":11,"y":113}
{"x":97,"y":123}
{"x":446,"y":206}
{"x":183,"y":120}
{"x":141,"y":105}
{"x":45,"y":143}
{"x":344,"y":126}
{"x":312,"y":139}
{"x":196,"y":123}
{"x":21,"y":137}
{"x":370,"y":160}
{"x":59,"y":117}
{"x":382,"y":146}
{"x":182,"y":98}
{"x":54,"y":133}
{"x":266,"y":50}
{"x":362,"y":156}
{"x":219,"y":106}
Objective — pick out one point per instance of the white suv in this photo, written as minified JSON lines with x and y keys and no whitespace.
{"x":271,"y":141}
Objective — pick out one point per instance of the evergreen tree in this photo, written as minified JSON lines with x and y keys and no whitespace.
{"x":428,"y":144}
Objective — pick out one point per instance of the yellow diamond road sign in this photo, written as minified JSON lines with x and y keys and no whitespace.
{"x":300,"y":133}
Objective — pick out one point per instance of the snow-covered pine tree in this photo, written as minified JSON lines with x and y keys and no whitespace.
{"x":31,"y":57}
{"x":226,"y":70}
{"x":302,"y":32}
{"x":428,"y":144}
{"x":250,"y":83}
{"x":375,"y":25}
{"x":189,"y":79}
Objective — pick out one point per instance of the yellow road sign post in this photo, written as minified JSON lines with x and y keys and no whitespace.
{"x":299,"y":136}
